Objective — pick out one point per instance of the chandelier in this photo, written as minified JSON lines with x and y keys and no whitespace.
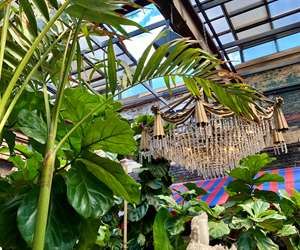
{"x":208,"y":137}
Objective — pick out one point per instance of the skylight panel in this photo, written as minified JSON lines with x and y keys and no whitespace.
{"x":227,"y":38}
{"x":137,"y":44}
{"x":234,"y":5}
{"x":249,"y":17}
{"x":214,"y":12}
{"x":283,"y":6}
{"x":254,"y":31}
{"x":286,"y":20}
{"x":289,"y":42}
{"x":145,"y":16}
{"x":259,"y":51}
{"x":220,"y":25}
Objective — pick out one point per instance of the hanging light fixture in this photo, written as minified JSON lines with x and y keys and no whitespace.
{"x":211,"y":139}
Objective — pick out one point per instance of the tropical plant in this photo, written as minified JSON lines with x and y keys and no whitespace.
{"x":155,"y":180}
{"x":39,"y":45}
{"x":251,"y":218}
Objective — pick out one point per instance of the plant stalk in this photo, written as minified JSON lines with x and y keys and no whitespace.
{"x":49,"y":161}
{"x":44,"y":199}
{"x":4,"y":36}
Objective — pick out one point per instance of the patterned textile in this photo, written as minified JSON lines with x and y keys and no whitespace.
{"x":217,"y":194}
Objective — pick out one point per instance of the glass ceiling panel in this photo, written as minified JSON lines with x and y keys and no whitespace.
{"x":220,"y":25}
{"x":254,"y":31}
{"x":227,"y":38}
{"x":214,"y":12}
{"x":235,"y":5}
{"x":240,"y":24}
{"x":287,"y":20}
{"x":289,"y":42}
{"x":250,"y":17}
{"x":146,"y":16}
{"x":281,"y":6}
{"x":137,"y":44}
{"x":260,"y":50}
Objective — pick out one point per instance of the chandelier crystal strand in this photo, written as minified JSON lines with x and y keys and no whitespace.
{"x":213,"y":140}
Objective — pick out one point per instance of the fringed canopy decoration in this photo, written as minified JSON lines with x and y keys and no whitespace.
{"x":211,"y":139}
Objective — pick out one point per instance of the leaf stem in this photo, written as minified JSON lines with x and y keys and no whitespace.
{"x":49,"y":161}
{"x":4,"y":35}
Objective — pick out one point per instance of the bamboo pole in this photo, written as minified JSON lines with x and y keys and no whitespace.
{"x":125,"y":220}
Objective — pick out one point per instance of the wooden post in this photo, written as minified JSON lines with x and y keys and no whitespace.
{"x":124,"y":165}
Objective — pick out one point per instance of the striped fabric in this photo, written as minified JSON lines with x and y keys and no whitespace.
{"x":217,"y":195}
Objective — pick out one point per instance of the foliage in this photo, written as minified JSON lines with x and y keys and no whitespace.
{"x":155,"y":180}
{"x":250,"y":218}
{"x":40,"y":47}
{"x":84,"y":183}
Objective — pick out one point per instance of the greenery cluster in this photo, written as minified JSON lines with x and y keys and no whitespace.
{"x":251,"y":218}
{"x":69,"y":175}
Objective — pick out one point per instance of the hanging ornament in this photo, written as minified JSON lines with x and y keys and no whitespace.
{"x":279,"y":119}
{"x":215,"y":145}
{"x":158,"y":130}
{"x":144,"y":144}
{"x":200,"y":114}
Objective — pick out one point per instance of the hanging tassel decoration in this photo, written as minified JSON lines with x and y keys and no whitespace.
{"x":158,"y":130}
{"x":278,"y":137}
{"x":144,"y":145}
{"x":254,"y":114}
{"x":279,"y":119}
{"x":200,"y":114}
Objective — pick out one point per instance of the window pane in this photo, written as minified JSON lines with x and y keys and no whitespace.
{"x":158,"y":83}
{"x":235,"y":57}
{"x":234,"y":5}
{"x":286,"y":20}
{"x":254,"y":31}
{"x":282,"y":6}
{"x":249,"y":17}
{"x":136,"y":45}
{"x":259,"y":51}
{"x":289,"y":42}
{"x":227,"y":38}
{"x":146,"y":16}
{"x":136,"y":90}
{"x":220,"y":25}
{"x":214,"y":12}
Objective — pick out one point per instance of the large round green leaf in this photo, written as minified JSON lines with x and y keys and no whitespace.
{"x":10,"y":237}
{"x":32,"y":125}
{"x":112,"y":175}
{"x":218,"y":229}
{"x":63,"y":222}
{"x":110,"y":134}
{"x":88,"y":196}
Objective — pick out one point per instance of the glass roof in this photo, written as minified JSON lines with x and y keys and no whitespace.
{"x":247,"y":29}
{"x":129,"y":50}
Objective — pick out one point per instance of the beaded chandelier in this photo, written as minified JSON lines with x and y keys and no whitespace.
{"x":209,"y":138}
